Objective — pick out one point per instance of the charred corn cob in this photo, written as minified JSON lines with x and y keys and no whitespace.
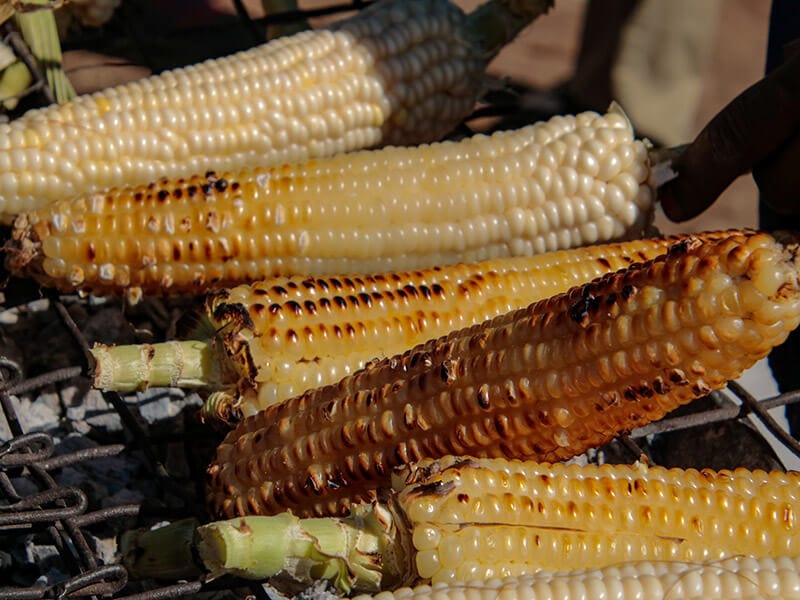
{"x":570,"y":181}
{"x":400,"y":72}
{"x":545,"y":382}
{"x":277,"y":338}
{"x":460,"y":519}
{"x":739,"y":578}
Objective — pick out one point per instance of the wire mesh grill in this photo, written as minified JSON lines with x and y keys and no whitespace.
{"x":36,"y":503}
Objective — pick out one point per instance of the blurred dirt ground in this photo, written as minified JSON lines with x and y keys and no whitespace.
{"x":542,"y":58}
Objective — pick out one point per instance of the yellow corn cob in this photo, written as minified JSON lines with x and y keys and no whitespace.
{"x":740,"y":578}
{"x":401,"y":71}
{"x":546,"y":382}
{"x":475,"y":520}
{"x":460,"y":519}
{"x":567,"y":182}
{"x":277,"y":338}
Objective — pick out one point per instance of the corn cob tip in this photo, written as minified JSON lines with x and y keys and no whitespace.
{"x":23,"y":248}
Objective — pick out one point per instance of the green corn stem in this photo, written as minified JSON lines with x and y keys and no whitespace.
{"x":163,"y":553}
{"x":361,"y":552}
{"x":189,"y":364}
{"x":38,"y":28}
{"x":498,"y":21}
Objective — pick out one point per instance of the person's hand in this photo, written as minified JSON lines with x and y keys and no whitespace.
{"x":759,"y":131}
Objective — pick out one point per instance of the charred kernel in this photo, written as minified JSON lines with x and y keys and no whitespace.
{"x":221,"y":185}
{"x":483,"y":396}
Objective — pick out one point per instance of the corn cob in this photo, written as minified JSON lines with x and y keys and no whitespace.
{"x":545,"y":382}
{"x":400,"y":72}
{"x":570,"y":181}
{"x":277,"y":338}
{"x":460,"y":519}
{"x":739,"y":578}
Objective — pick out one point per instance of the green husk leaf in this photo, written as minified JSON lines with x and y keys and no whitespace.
{"x":39,"y":31}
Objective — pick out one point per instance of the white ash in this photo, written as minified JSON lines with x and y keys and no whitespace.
{"x":40,"y":554}
{"x":158,"y":404}
{"x":41,"y":414}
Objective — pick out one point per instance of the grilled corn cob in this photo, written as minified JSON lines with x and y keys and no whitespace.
{"x":571,"y":181}
{"x":285,"y":335}
{"x":545,"y":382}
{"x":739,"y":578}
{"x":460,"y":519}
{"x":400,"y":72}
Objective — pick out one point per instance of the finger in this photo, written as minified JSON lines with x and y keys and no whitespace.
{"x":742,"y":134}
{"x":778,"y":178}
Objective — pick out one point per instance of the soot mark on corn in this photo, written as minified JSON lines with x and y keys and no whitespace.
{"x":434,"y":488}
{"x":483,"y":396}
{"x":447,"y":372}
{"x":584,"y":307}
{"x":234,"y":314}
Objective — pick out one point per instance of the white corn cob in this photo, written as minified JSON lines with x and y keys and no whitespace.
{"x":399,"y":72}
{"x":740,"y":578}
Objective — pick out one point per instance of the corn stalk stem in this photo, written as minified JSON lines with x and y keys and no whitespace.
{"x":189,"y":364}
{"x":163,"y":553}
{"x":360,"y":552}
{"x":498,"y":21}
